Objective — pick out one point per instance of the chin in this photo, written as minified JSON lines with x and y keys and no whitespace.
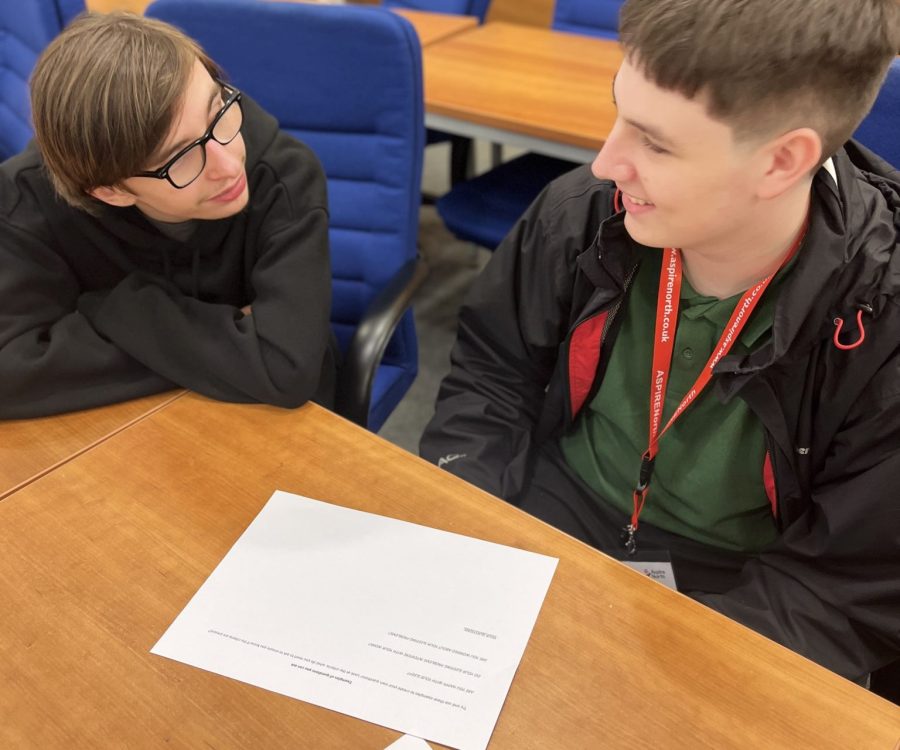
{"x":643,"y":234}
{"x":223,"y":211}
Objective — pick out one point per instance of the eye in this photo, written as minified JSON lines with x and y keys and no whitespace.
{"x":652,"y":146}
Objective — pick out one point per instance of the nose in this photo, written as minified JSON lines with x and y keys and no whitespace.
{"x":613,"y":161}
{"x":223,"y":162}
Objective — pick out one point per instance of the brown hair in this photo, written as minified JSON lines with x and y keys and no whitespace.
{"x":104,"y":96}
{"x":766,"y":66}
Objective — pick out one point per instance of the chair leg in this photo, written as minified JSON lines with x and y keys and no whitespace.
{"x":496,"y":154}
{"x":460,"y":159}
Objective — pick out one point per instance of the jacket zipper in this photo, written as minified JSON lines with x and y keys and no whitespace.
{"x":614,"y":311}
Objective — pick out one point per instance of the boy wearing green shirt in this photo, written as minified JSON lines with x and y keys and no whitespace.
{"x":693,"y":348}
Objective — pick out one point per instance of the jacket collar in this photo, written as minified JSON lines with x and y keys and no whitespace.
{"x":612,"y":254}
{"x":845,"y":263}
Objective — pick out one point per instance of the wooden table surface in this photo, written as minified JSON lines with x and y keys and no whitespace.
{"x":432,"y":27}
{"x":32,"y":447}
{"x":100,"y":555}
{"x":523,"y":83}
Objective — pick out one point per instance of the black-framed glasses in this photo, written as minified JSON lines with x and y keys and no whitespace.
{"x":187,"y":165}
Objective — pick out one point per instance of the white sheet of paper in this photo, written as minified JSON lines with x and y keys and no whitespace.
{"x":409,"y":627}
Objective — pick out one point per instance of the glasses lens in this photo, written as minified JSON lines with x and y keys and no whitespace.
{"x":188,"y":167}
{"x":229,"y":124}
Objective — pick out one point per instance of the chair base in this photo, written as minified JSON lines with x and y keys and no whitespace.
{"x":484,"y":209}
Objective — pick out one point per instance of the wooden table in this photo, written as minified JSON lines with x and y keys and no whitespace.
{"x":30,"y":448}
{"x":100,"y":555}
{"x":432,"y":27}
{"x":540,"y":89}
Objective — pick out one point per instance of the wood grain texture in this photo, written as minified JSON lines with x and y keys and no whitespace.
{"x":526,"y":80}
{"x":99,"y":556}
{"x":431,"y":27}
{"x":30,"y":448}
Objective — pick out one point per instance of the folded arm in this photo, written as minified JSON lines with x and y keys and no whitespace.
{"x":273,"y":355}
{"x":51,"y":358}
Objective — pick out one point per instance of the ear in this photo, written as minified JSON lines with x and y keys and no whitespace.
{"x":789,"y":158}
{"x":114,"y":196}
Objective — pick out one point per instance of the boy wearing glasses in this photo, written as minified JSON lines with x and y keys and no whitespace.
{"x":161,"y":231}
{"x":691,"y":351}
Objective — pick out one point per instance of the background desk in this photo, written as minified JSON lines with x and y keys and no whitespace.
{"x":32,"y":447}
{"x":544,"y":90}
{"x":432,"y":27}
{"x":100,"y":555}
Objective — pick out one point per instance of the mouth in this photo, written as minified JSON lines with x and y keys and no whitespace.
{"x":636,"y":205}
{"x":232,"y":192}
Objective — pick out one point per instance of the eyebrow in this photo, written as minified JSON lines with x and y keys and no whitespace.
{"x":654,"y":133}
{"x":170,"y":152}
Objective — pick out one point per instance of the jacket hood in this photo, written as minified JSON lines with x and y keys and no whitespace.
{"x":851,"y":261}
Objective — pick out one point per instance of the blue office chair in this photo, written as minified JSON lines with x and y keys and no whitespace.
{"x":347,"y":81}
{"x":484,"y":209}
{"x":456,"y":7}
{"x":68,"y":9}
{"x":25,"y":29}
{"x":592,"y":17}
{"x":460,"y":146}
{"x":880,"y":131}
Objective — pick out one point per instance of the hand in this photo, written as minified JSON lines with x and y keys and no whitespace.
{"x":247,"y":310}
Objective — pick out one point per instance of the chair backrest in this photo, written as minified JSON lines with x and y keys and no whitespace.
{"x":347,"y":81}
{"x":592,"y":17}
{"x":25,"y":29}
{"x":880,"y":131}
{"x":68,"y":9}
{"x":458,"y":7}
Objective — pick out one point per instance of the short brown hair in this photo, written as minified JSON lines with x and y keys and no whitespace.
{"x":104,"y":95}
{"x":768,"y":65}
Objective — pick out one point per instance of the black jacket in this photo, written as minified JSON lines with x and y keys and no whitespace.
{"x":537,"y":329}
{"x":98,"y":309}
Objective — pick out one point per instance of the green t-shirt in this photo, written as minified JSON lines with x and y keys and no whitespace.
{"x":708,"y":476}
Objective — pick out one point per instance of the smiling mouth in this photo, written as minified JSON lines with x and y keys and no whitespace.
{"x":638,"y":201}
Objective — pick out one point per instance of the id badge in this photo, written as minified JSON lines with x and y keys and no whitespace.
{"x":656,"y":564}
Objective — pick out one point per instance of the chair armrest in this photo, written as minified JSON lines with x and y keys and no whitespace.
{"x":357,"y":373}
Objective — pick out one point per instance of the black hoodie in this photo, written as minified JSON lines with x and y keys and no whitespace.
{"x":99,"y":309}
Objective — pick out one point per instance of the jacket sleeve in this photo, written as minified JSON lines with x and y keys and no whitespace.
{"x":275,"y":355}
{"x":51,"y":358}
{"x":510,"y":328}
{"x":829,"y":588}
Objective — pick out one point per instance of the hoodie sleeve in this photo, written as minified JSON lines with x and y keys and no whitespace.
{"x":51,"y":358}
{"x":277,"y":355}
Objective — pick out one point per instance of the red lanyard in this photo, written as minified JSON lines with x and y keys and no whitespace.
{"x":668,"y":299}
